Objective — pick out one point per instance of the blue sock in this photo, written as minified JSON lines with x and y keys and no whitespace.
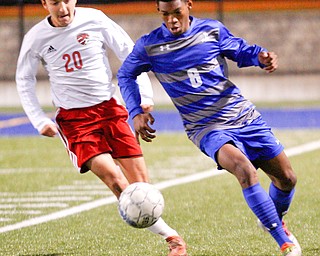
{"x":263,"y":207}
{"x":281,"y":199}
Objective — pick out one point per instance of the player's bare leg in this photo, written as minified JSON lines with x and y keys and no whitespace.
{"x":235,"y":162}
{"x":280,"y":172}
{"x":134,"y":168}
{"x":105,"y":168}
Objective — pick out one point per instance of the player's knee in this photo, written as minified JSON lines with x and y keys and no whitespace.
{"x":246,"y":174}
{"x":289,"y":181}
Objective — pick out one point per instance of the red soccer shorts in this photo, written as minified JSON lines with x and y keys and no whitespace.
{"x":103,"y":128}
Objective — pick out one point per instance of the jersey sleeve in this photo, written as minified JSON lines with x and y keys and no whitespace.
{"x":238,"y":50}
{"x":135,"y":64}
{"x":26,"y":71}
{"x":121,"y":44}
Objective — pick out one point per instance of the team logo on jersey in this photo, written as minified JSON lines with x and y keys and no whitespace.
{"x":51,"y":49}
{"x":83,"y":38}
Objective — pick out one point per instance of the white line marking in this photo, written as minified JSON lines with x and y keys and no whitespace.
{"x":31,"y":170}
{"x":104,"y":192}
{"x":4,"y":219}
{"x":36,"y":205}
{"x":109,"y":200}
{"x":46,"y":199}
{"x":44,"y":205}
{"x":30,"y":212}
{"x":7,"y":206}
{"x":84,"y":187}
{"x":59,"y":214}
{"x":308,"y":147}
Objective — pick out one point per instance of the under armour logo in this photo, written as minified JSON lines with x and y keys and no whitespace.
{"x":166,"y":47}
{"x":205,"y":37}
{"x":273,"y":226}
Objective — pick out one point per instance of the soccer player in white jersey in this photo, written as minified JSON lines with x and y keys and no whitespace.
{"x":187,"y":55}
{"x":72,"y":44}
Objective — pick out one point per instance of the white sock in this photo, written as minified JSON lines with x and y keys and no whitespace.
{"x":162,"y":228}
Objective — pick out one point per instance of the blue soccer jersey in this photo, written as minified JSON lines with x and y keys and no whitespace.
{"x":192,"y":69}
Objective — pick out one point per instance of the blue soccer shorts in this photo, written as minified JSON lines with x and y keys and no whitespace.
{"x":255,"y":140}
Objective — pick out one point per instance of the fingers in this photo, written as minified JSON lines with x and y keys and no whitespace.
{"x":151,"y":119}
{"x":49,"y":130}
{"x":147,"y":137}
{"x":269,"y":60}
{"x":146,"y":133}
{"x":142,"y":127}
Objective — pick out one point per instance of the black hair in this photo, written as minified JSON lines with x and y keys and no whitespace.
{"x":168,"y":1}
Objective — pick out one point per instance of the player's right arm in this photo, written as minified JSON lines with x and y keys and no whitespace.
{"x":121,"y":44}
{"x":26,"y":71}
{"x":136,"y":63}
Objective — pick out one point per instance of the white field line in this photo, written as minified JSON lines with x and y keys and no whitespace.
{"x":109,"y":200}
{"x":34,"y":205}
{"x":71,"y":192}
{"x":83,"y":187}
{"x":29,"y":212}
{"x":45,"y":199}
{"x":4,"y":219}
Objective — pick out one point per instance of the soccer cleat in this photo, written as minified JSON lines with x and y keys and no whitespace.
{"x":288,"y":233}
{"x":289,"y":249}
{"x":177,"y":246}
{"x":291,"y":237}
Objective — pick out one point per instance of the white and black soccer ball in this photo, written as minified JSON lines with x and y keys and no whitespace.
{"x":141,"y":205}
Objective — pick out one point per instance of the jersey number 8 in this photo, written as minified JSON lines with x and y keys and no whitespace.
{"x":195,"y":78}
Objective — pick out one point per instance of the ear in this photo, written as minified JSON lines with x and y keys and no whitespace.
{"x":189,"y":4}
{"x":44,"y":4}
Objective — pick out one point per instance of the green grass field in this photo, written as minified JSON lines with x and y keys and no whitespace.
{"x":37,"y":179}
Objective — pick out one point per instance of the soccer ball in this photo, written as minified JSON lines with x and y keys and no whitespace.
{"x":141,"y":205}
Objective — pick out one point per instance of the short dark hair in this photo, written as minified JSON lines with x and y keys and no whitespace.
{"x":168,"y":1}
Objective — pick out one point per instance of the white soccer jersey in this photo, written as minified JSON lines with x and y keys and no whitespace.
{"x":76,"y":60}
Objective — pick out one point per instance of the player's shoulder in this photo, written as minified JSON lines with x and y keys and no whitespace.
{"x":93,"y":16}
{"x":37,"y":30}
{"x":88,"y":10}
{"x":199,"y":22}
{"x":89,"y":13}
{"x":155,"y":35}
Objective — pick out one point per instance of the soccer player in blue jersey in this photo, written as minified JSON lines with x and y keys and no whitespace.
{"x":187,"y":55}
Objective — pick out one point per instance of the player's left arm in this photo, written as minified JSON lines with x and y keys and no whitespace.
{"x":244,"y":54}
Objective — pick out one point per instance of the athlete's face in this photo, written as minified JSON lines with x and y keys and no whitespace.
{"x":175,"y":15}
{"x":61,"y":11}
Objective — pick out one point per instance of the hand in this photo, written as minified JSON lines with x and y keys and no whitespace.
{"x":270,"y":60}
{"x":49,"y":130}
{"x":142,"y":127}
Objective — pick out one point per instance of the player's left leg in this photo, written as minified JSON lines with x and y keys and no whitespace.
{"x":282,"y":187}
{"x":134,"y":168}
